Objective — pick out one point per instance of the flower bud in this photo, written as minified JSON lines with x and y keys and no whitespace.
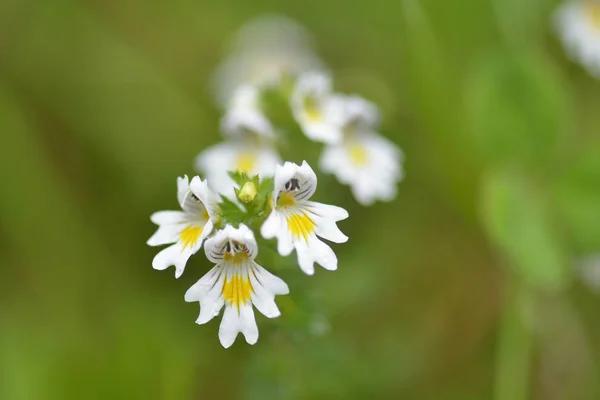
{"x":248,"y":192}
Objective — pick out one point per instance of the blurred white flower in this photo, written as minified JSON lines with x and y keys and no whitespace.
{"x":315,"y":108}
{"x":187,"y":228}
{"x":296,"y":222}
{"x":578,"y":23}
{"x":265,"y":51}
{"x":244,"y":116}
{"x":250,"y":156}
{"x":236,"y":282}
{"x":366,"y":161}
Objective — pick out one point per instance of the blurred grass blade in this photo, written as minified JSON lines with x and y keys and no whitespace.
{"x":577,"y":196}
{"x":514,"y":352}
{"x":521,"y":22}
{"x":518,"y":110}
{"x":434,"y":87}
{"x":517,"y":219}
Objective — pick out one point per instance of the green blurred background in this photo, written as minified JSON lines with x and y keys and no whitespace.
{"x":465,"y":287}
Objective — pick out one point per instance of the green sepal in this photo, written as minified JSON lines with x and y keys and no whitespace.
{"x":230,"y":213}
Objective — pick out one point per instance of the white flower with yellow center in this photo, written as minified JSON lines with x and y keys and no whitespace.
{"x":236,"y":282}
{"x":316,"y":109}
{"x":250,"y":146}
{"x":578,"y":23}
{"x":250,"y":156}
{"x":297,"y":223}
{"x":187,"y":229}
{"x":367,"y":162}
{"x":266,"y":51}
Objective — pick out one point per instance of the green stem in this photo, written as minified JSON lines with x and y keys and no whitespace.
{"x":515,"y":344}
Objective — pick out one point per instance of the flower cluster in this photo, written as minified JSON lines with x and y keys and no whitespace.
{"x":248,"y":191}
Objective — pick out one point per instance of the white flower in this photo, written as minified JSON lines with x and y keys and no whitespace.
{"x":247,"y":156}
{"x":316,"y":109}
{"x":265,"y":51}
{"x":187,"y":228}
{"x":236,"y":282}
{"x":367,"y":162}
{"x":578,"y":23}
{"x":244,"y":116}
{"x":296,"y":222}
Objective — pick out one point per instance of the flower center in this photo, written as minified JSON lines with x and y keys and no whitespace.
{"x":593,"y":11}
{"x":300,"y":225}
{"x":237,"y":291}
{"x":286,"y":199}
{"x":235,"y":252}
{"x":358,"y":154}
{"x":189,"y":236}
{"x":245,"y":162}
{"x":312,"y":108}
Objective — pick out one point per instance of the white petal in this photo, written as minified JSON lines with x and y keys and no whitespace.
{"x":270,"y":282}
{"x":175,"y":255}
{"x":315,"y":251}
{"x":182,"y":189}
{"x":325,"y":132}
{"x":328,"y":229}
{"x":230,"y":326}
{"x":334,"y":213}
{"x":208,"y":291}
{"x":303,"y":173}
{"x":165,"y":234}
{"x":283,"y":173}
{"x":248,"y":323}
{"x":206,"y":195}
{"x":214,"y":246}
{"x":246,"y":121}
{"x":168,"y":217}
{"x":276,"y":226}
{"x":271,"y":226}
{"x":235,"y":321}
{"x":264,"y":288}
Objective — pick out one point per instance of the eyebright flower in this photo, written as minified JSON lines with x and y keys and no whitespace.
{"x":236,"y":282}
{"x":367,"y":162}
{"x":187,"y":228}
{"x":578,"y":23}
{"x":250,"y":147}
{"x":266,"y":51}
{"x":250,"y":156}
{"x":297,"y":222}
{"x":315,"y":109}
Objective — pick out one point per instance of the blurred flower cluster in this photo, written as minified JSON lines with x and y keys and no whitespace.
{"x":249,"y":191}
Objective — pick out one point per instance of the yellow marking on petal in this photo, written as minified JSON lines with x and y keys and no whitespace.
{"x":300,"y":225}
{"x":358,"y":154}
{"x":312,"y":108}
{"x":593,"y":11}
{"x":189,"y":236}
{"x":286,"y":199}
{"x":237,"y":257}
{"x":237,"y":291}
{"x":205,"y":214}
{"x":245,"y":162}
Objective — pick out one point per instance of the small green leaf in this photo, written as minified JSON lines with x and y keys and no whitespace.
{"x":517,"y":219}
{"x":238,"y":177}
{"x":266,"y":186}
{"x":230,"y":212}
